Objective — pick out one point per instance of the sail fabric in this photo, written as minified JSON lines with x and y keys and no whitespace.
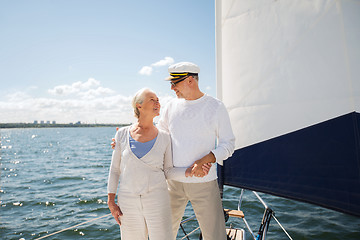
{"x":317,"y":164}
{"x":284,"y":68}
{"x":295,"y":62}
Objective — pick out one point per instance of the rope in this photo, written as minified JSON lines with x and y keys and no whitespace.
{"x":73,"y":227}
{"x":190,"y":233}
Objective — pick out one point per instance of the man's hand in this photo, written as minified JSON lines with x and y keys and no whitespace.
{"x":206,"y":168}
{"x":197,"y":170}
{"x":113,"y":143}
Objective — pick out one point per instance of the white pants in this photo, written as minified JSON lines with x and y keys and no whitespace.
{"x":145,"y":215}
{"x":206,"y":202}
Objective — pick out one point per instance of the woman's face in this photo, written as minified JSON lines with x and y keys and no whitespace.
{"x":150,"y":105}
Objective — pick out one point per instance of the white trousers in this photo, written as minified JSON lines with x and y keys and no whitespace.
{"x":144,"y":216}
{"x":206,"y":202}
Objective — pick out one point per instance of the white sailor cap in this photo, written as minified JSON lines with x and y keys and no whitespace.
{"x":181,"y":70}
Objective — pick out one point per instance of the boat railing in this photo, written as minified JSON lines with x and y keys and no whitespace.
{"x":268,"y":214}
{"x":186,"y":235}
{"x":264,"y":226}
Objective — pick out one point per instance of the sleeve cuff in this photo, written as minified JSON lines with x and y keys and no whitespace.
{"x":217,"y":157}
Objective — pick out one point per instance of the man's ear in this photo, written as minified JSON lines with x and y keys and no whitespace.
{"x":191,"y":79}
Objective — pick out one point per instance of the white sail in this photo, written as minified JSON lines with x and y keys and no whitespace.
{"x":286,"y":65}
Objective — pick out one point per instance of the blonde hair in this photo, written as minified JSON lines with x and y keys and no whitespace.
{"x":139,"y":98}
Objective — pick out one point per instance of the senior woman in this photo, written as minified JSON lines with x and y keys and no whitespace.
{"x":141,"y":159}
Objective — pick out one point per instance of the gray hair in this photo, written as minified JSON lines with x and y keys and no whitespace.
{"x":139,"y":98}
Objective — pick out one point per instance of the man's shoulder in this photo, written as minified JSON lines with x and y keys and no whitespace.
{"x":163,"y":133}
{"x":213,"y":101}
{"x":172,"y":104}
{"x":174,"y":101}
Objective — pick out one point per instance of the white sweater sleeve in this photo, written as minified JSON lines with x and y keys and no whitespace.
{"x":171,"y":172}
{"x":114,"y":172}
{"x":163,"y":123}
{"x":225,"y":135}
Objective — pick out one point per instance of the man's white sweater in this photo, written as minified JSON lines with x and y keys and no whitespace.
{"x":196,"y":128}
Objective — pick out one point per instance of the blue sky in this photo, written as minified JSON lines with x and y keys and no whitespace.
{"x":83,"y":60}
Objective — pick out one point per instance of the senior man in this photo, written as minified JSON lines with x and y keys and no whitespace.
{"x":201,"y":133}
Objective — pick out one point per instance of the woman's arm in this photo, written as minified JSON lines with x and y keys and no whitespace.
{"x":178,"y":173}
{"x":113,"y":180}
{"x":171,"y":172}
{"x":114,"y":208}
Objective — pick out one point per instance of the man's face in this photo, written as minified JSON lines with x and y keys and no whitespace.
{"x":180,"y":88}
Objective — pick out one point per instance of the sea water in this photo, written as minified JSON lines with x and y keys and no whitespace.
{"x":56,"y":178}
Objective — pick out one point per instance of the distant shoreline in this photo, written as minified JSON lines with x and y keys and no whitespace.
{"x":48,"y":125}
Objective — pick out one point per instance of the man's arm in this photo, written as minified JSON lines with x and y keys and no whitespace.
{"x":226,"y":139}
{"x":225,"y":147}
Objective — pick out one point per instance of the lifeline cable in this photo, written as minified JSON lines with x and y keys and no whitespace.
{"x":73,"y":227}
{"x":282,"y":228}
{"x":190,"y":233}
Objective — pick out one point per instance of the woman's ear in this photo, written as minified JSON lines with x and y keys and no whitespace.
{"x":138,"y":105}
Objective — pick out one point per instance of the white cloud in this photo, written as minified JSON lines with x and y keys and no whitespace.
{"x":92,"y":93}
{"x":164,"y":62}
{"x":90,"y":83}
{"x":90,"y":103}
{"x":13,"y":97}
{"x":86,"y":90}
{"x":76,"y":87}
{"x":102,"y":109}
{"x":147,"y":70}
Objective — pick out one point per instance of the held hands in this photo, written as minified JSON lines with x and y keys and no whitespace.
{"x":198,"y":170}
{"x":201,"y":167}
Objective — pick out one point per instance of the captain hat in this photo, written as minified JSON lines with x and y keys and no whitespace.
{"x":182,"y":69}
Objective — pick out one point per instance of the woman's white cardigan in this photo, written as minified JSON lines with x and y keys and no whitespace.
{"x":142,"y":175}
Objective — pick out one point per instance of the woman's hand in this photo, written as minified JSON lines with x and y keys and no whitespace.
{"x":114,"y":208}
{"x":188,"y":171}
{"x":115,"y":211}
